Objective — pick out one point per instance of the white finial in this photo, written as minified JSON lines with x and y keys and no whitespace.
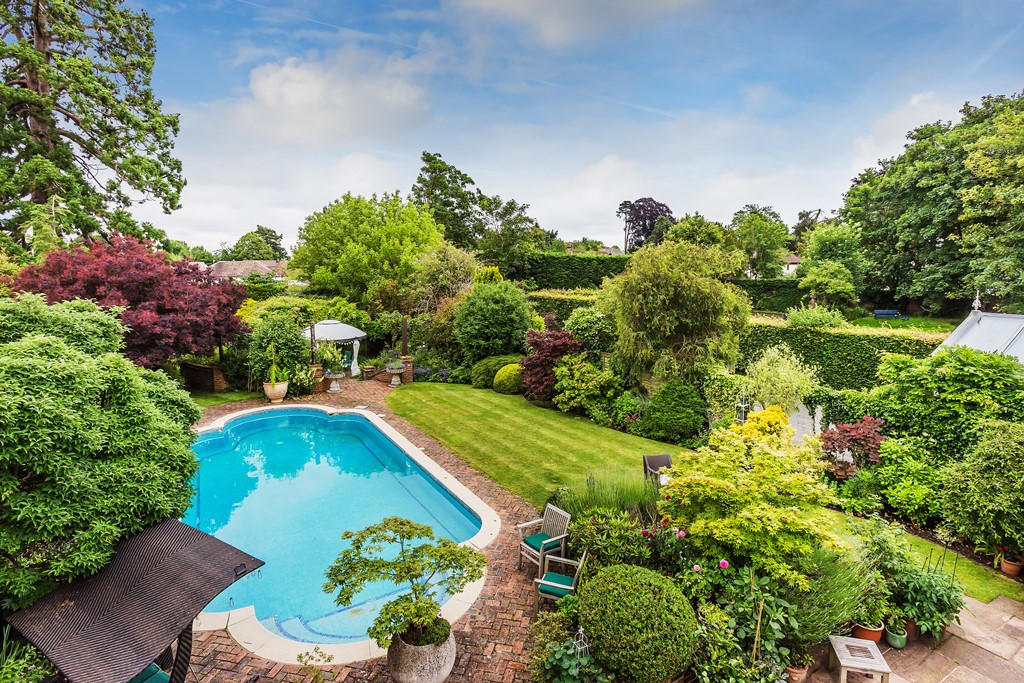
{"x":977,"y":300}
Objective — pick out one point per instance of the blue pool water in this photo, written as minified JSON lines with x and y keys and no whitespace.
{"x":284,"y":486}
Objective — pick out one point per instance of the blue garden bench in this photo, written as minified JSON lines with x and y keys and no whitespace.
{"x":886,"y":313}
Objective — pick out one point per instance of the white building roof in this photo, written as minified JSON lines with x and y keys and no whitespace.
{"x":993,"y":332}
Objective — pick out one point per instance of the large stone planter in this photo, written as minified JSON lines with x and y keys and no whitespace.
{"x":275,"y":391}
{"x":421,"y":663}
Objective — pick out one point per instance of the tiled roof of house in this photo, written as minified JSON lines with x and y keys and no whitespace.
{"x":792,"y":259}
{"x":243,"y":268}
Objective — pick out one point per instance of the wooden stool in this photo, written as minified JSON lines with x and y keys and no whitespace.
{"x":855,"y":654}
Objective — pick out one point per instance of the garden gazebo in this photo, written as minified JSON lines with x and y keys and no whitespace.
{"x":108,"y":628}
{"x":338,"y":332}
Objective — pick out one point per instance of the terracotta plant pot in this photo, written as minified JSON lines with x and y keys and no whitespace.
{"x":1009,"y":567}
{"x":865,"y":633}
{"x":275,"y":391}
{"x":795,"y":675}
{"x":421,"y":663}
{"x":913,"y":632}
{"x":896,"y":640}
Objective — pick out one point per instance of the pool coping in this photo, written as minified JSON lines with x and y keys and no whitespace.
{"x":243,"y":626}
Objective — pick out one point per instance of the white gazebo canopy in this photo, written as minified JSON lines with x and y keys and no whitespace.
{"x":337,"y":331}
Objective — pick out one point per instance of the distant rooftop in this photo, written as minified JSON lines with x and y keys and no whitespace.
{"x":992,"y":332}
{"x":240,"y":269}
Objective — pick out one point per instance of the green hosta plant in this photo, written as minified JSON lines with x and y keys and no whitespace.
{"x":429,"y":566}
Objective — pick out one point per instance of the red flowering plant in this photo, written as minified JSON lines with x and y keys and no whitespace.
{"x":669,"y":550}
{"x":861,"y":440}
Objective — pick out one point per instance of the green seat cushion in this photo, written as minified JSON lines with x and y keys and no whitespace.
{"x":537,"y":540}
{"x":559,"y":579}
{"x":151,"y":674}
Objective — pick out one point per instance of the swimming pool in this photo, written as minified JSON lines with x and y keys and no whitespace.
{"x":284,"y":484}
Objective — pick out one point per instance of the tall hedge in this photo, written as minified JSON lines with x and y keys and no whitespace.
{"x":561,"y":302}
{"x":845,"y":358}
{"x":774,"y":294}
{"x":570,"y":271}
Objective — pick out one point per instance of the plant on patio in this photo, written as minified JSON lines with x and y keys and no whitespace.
{"x":276,"y":339}
{"x":751,"y":493}
{"x":932,"y":599}
{"x":640,"y":624}
{"x":719,"y":656}
{"x":429,"y":566}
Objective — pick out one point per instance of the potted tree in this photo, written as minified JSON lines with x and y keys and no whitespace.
{"x":421,"y":647}
{"x":276,"y":384}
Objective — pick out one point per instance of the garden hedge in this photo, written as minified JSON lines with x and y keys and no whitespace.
{"x":561,"y":302}
{"x":777,"y":295}
{"x":570,"y":271}
{"x":845,"y":358}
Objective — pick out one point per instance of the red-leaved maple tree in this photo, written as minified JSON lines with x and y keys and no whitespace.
{"x":861,"y":440}
{"x":547,"y":348}
{"x":172,"y":308}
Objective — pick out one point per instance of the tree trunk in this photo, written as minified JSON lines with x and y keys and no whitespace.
{"x":40,"y":129}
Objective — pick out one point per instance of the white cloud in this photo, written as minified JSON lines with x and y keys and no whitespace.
{"x":560,"y":22}
{"x":888,"y":133}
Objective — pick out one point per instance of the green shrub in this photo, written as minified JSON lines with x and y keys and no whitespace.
{"x":492,"y":320}
{"x":609,"y":536}
{"x":845,"y":358}
{"x":909,"y":481}
{"x":640,"y":624}
{"x":276,"y":338}
{"x":616,"y":490}
{"x":721,"y":390}
{"x":673,"y":415}
{"x":584,"y":387}
{"x":570,"y":271}
{"x":932,"y":598}
{"x":562,"y":302}
{"x":483,"y":372}
{"x":861,"y":494}
{"x":983,"y":496}
{"x":263,"y":287}
{"x":301,"y":381}
{"x":772,"y":294}
{"x":623,"y":413}
{"x":509,"y":380}
{"x":81,"y":324}
{"x":778,"y":378}
{"x":815,"y":317}
{"x":547,"y":632}
{"x":719,"y":655}
{"x":594,"y":330}
{"x":488,"y":274}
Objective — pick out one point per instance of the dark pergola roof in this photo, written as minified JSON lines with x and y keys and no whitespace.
{"x":108,"y":627}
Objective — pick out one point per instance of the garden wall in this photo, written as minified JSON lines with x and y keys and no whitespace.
{"x":570,"y":271}
{"x":846,"y":358}
{"x":561,"y":302}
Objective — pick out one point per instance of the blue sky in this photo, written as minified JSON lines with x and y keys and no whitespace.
{"x":568,"y":105}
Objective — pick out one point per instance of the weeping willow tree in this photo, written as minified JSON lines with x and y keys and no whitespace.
{"x":673,"y":311}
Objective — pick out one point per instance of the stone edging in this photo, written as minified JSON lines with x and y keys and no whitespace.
{"x":246,"y":629}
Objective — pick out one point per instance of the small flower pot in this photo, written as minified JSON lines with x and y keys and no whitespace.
{"x":896,"y":640}
{"x":913,"y":632}
{"x":1009,"y":567}
{"x":865,"y":633}
{"x":797,"y":675}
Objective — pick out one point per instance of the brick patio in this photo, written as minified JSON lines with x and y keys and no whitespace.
{"x":490,"y":637}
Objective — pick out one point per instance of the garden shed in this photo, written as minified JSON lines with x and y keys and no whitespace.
{"x":990,"y":332}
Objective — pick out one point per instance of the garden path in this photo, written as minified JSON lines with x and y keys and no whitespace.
{"x":491,"y":637}
{"x":986,"y":647}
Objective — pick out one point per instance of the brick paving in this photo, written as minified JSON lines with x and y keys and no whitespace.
{"x":491,"y":636}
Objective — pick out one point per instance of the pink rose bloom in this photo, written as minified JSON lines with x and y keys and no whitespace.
{"x":681,"y":534}
{"x":724,"y":564}
{"x":696,"y":567}
{"x":646,"y":533}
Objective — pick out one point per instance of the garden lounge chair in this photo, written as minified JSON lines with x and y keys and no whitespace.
{"x":549,"y":537}
{"x":555,"y":585}
{"x":653,"y":464}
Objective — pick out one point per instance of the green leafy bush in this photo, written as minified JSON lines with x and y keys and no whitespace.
{"x":932,"y":598}
{"x":301,"y":381}
{"x":488,"y":274}
{"x":983,"y":496}
{"x":772,"y":294}
{"x":721,"y":390}
{"x":565,"y":665}
{"x":483,"y":372}
{"x":719,"y":656}
{"x":594,"y":330}
{"x":640,"y":624}
{"x":673,"y":415}
{"x":509,"y":380}
{"x":815,"y":317}
{"x":492,"y":320}
{"x":562,"y":302}
{"x":909,"y":481}
{"x":861,"y":494}
{"x":93,"y":449}
{"x":276,"y":339}
{"x":582,"y":386}
{"x":758,"y":613}
{"x":623,"y":413}
{"x":570,"y":271}
{"x":609,"y":536}
{"x":82,"y":324}
{"x":547,"y":632}
{"x":263,"y":287}
{"x":778,"y":378}
{"x":845,"y":358}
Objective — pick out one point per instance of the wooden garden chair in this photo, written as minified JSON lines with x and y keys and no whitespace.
{"x":549,"y":537}
{"x":555,"y":585}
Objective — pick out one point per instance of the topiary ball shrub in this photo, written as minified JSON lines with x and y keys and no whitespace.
{"x":509,"y":379}
{"x":640,"y":624}
{"x":483,"y":372}
{"x":673,"y":415}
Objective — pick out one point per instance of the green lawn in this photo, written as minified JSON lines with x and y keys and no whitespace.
{"x":528,"y":450}
{"x":205,"y":400}
{"x":914,"y":323}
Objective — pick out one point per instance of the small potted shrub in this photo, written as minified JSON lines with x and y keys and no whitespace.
{"x":421,"y":646}
{"x":896,"y":628}
{"x":1008,"y":559}
{"x":869,"y":619}
{"x":330,"y":356}
{"x":276,"y":384}
{"x":932,"y":599}
{"x":799,"y":666}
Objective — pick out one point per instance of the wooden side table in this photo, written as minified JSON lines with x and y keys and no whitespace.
{"x":855,"y":654}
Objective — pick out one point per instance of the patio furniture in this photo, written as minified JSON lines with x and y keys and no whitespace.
{"x":856,"y":655}
{"x":555,"y":585}
{"x":653,"y":464}
{"x":551,"y":534}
